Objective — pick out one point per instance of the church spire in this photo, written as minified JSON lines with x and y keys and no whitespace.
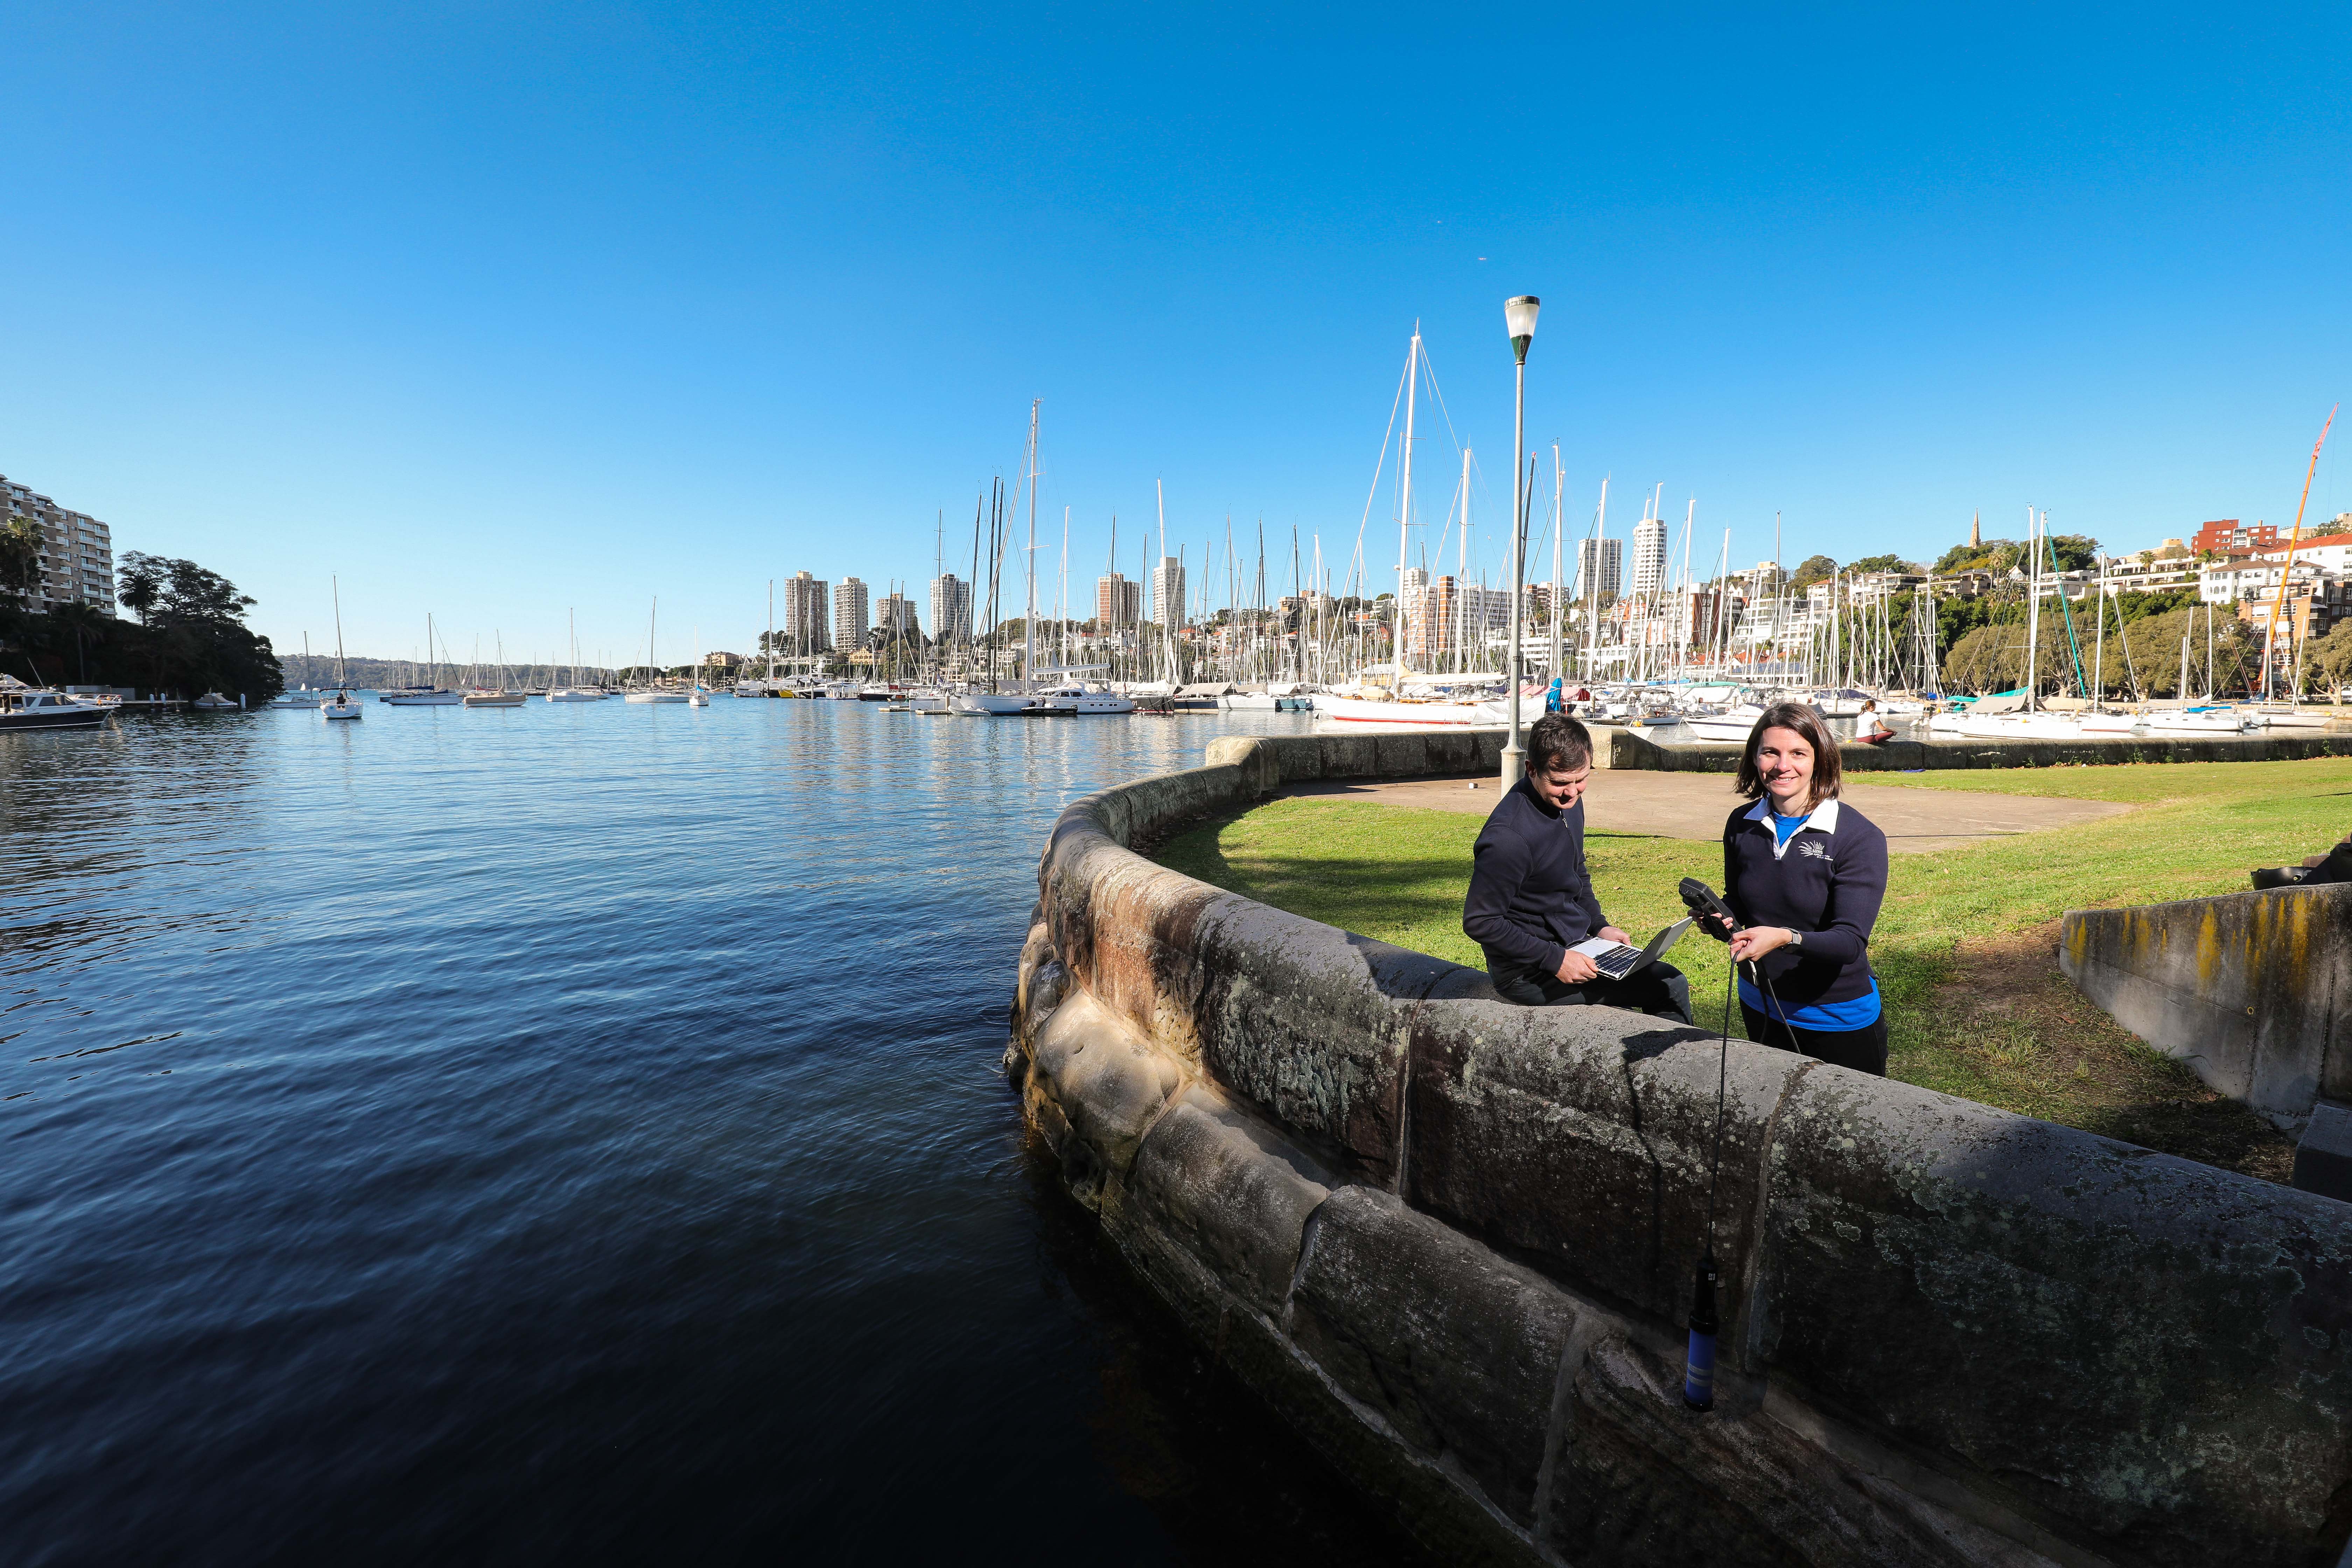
{"x":1976,"y":531}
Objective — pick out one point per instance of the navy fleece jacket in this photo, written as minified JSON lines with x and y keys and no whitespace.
{"x":1529,"y":899}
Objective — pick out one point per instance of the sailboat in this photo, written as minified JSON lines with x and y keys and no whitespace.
{"x":1421,"y":703}
{"x":431,"y":695}
{"x":481,"y":696}
{"x":653,"y":693}
{"x":696,"y":694}
{"x":571,"y":690}
{"x":340,"y":706}
{"x":985,"y":704}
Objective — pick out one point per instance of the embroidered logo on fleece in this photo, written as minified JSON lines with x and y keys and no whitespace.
{"x":1812,"y":847}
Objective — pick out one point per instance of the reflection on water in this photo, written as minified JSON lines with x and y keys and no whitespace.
{"x":572,"y":1133}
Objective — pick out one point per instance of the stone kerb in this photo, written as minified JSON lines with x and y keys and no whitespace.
{"x":2048,"y":1336}
{"x":2246,"y":988}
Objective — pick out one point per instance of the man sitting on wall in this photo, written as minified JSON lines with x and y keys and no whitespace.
{"x":1531,"y":901}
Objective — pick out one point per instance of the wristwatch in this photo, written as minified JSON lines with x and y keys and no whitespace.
{"x":1796,"y":939}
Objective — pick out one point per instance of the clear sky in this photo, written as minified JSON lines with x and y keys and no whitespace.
{"x":497,"y":309}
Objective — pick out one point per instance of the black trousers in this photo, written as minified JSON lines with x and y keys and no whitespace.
{"x":1864,"y":1050}
{"x":1655,"y":988}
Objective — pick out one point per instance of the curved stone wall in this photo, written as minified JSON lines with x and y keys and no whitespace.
{"x":1451,"y":1240}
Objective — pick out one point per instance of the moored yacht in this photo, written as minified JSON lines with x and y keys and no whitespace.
{"x":25,"y":707}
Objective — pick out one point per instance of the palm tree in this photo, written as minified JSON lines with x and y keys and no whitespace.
{"x":87,"y":626}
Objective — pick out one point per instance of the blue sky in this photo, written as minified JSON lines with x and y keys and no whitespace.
{"x":495,"y":310}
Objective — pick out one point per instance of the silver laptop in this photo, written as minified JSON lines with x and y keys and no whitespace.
{"x":1616,"y":960}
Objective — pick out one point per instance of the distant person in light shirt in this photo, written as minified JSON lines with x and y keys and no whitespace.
{"x":1531,"y":902}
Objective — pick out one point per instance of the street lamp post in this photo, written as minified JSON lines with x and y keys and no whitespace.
{"x":1519,"y":317}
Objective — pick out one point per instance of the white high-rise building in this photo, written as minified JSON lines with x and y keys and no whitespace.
{"x":1648,"y":554}
{"x":807,"y":628}
{"x":951,"y":609}
{"x":897,"y":615}
{"x":1600,"y":568}
{"x":850,"y":619}
{"x":1168,"y":592}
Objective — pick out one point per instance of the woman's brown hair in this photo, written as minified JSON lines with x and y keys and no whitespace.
{"x":1806,"y":722}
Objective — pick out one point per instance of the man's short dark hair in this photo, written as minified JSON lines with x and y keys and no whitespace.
{"x":1558,"y":744}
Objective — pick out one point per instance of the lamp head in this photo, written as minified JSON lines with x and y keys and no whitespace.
{"x":1519,"y":319}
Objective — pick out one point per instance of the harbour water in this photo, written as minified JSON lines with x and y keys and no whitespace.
{"x":572,"y":1134}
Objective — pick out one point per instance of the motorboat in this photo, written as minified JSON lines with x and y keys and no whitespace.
{"x":1077,"y":699}
{"x":655,"y":695}
{"x":933,"y":702}
{"x":578,"y":694}
{"x":1721,"y":726}
{"x":213,"y":702}
{"x":26,"y":707}
{"x":495,"y":700}
{"x":423,"y":696}
{"x":340,"y":706}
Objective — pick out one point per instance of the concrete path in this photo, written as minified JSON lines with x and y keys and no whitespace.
{"x":1693,"y":805}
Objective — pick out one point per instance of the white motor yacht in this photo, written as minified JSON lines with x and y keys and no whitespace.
{"x":212,"y":701}
{"x":2203,"y":721}
{"x":495,"y":700}
{"x":654,"y":697}
{"x":1077,"y":699}
{"x":423,"y":696}
{"x":577,"y":694}
{"x":25,"y":707}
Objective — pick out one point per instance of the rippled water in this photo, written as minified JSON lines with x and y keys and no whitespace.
{"x":572,"y":1133}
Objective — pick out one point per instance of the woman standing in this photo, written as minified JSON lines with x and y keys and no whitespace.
{"x":1806,"y":875}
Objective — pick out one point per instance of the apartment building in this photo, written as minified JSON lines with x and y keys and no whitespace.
{"x":77,"y":551}
{"x":1648,"y":554}
{"x":807,"y":628}
{"x":1168,"y":592}
{"x":851,"y":620}
{"x":1600,"y":568}
{"x":2229,"y":533}
{"x":951,"y":609}
{"x":1117,"y":601}
{"x":895,"y":615}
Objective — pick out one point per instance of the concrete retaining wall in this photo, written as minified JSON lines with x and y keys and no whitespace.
{"x":2246,"y":988}
{"x":1451,"y":1241}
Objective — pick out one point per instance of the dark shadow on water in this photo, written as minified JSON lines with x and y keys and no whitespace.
{"x":1219,"y":1471}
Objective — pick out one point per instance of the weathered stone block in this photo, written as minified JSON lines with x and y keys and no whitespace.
{"x":2323,"y":1160}
{"x":1231,"y":1191}
{"x":1458,"y":1350}
{"x":2247,"y":988}
{"x":1105,"y":1083}
{"x":1308,"y":1022}
{"x":1583,"y":1134}
{"x":2157,"y":1349}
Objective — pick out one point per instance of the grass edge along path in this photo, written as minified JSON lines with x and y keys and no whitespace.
{"x":1964,"y":949}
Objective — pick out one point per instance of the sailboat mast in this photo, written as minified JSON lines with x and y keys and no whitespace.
{"x":2033,"y":612}
{"x":335,"y":586}
{"x":1559,"y":547}
{"x":1029,"y":621}
{"x":1405,"y":511}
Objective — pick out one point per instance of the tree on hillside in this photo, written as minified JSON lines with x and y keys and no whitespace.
{"x":2071,"y":552}
{"x":1812,"y":569}
{"x":1881,"y":563}
{"x":1992,"y":555}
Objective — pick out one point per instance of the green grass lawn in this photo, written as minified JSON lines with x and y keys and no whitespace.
{"x":1964,"y":949}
